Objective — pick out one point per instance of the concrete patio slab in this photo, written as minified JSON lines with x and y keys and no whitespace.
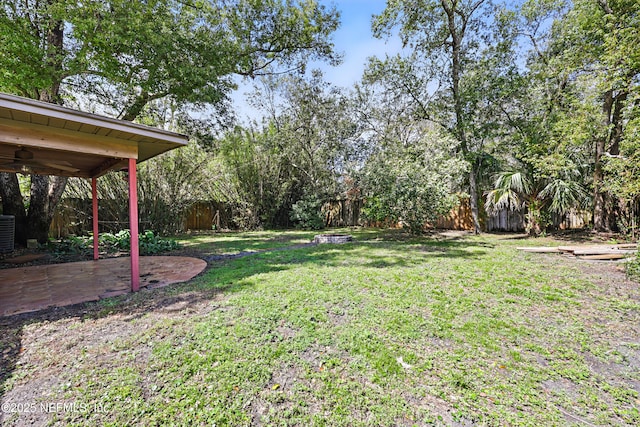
{"x":27,"y":289}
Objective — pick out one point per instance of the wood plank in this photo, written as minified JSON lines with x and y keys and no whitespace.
{"x":44,"y":170}
{"x":603,"y":257}
{"x":23,"y":108}
{"x":572,"y":249}
{"x":539,"y":249}
{"x":86,"y":128}
{"x":627,"y":246}
{"x":40,"y":120}
{"x":104,"y":131}
{"x":587,"y":247}
{"x":20,"y":116}
{"x":597,"y":251}
{"x":72,"y":126}
{"x":31,"y":135}
{"x":108,"y":165}
{"x":56,"y":123}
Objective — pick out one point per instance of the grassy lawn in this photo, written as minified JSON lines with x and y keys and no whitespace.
{"x":388,"y":330}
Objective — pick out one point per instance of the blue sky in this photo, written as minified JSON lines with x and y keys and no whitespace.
{"x":353,"y":39}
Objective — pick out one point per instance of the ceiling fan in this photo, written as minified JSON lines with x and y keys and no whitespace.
{"x":23,"y":160}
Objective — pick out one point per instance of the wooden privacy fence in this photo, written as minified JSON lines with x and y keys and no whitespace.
{"x":515,"y":221}
{"x":348,"y":213}
{"x":505,"y":220}
{"x":572,"y":220}
{"x":73,"y":216}
{"x":343,"y":213}
{"x":208,"y":216}
{"x":459,"y":218}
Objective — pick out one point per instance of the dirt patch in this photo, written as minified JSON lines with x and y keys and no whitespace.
{"x":606,"y":369}
{"x":60,"y":341}
{"x":609,"y":274}
{"x":441,"y":410}
{"x":561,"y":386}
{"x":286,"y":332}
{"x":280,"y":392}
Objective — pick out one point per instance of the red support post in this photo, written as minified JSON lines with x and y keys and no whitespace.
{"x":133,"y":227}
{"x":94,"y":200}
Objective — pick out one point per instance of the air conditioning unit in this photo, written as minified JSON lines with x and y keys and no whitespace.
{"x":7,"y":232}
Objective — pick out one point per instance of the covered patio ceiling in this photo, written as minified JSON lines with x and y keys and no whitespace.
{"x":66,"y":142}
{"x":47,"y":139}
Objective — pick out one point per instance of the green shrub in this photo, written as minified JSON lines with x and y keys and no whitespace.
{"x":307,"y":214}
{"x":148,"y":242}
{"x":70,"y":245}
{"x":154,"y":244}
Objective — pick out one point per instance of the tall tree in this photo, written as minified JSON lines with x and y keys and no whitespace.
{"x":596,"y":43}
{"x":119,"y":56}
{"x":542,"y":169}
{"x":299,"y":152}
{"x":448,"y":39}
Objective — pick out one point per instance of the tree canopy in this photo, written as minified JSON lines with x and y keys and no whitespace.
{"x":119,"y":57}
{"x":531,"y":105}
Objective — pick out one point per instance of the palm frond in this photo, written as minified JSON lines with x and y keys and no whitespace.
{"x":508,"y":192}
{"x":564,"y":195}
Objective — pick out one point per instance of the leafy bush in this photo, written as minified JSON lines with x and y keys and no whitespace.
{"x":115,"y":242}
{"x":71,"y":245}
{"x":412,"y":198}
{"x":413,"y":183}
{"x":306,"y":212}
{"x":149,"y":243}
{"x":153,"y":244}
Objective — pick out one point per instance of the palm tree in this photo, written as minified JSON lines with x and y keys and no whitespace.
{"x":516,"y":191}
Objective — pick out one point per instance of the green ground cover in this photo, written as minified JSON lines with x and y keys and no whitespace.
{"x":388,"y":330}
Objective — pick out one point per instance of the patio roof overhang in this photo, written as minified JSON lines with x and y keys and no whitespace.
{"x":47,"y":139}
{"x":67,"y":142}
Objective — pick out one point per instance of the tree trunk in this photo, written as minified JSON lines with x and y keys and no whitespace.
{"x":55,"y":45}
{"x":615,"y":207}
{"x":600,"y":221}
{"x":457,"y":34}
{"x":473,"y":199}
{"x":136,"y":107}
{"x":46,"y":191}
{"x":605,"y":209}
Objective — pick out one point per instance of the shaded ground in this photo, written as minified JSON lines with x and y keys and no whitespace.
{"x":39,"y":257}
